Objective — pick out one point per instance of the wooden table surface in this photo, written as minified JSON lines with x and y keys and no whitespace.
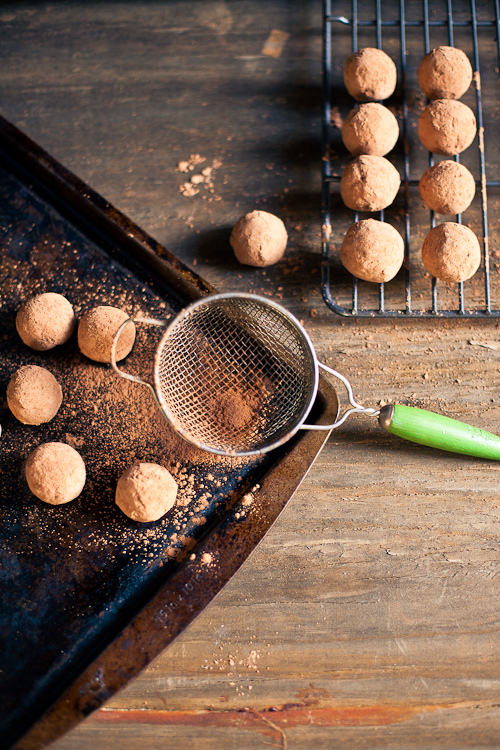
{"x":369,"y":615}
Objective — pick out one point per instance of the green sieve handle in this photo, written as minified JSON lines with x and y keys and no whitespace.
{"x":438,"y":431}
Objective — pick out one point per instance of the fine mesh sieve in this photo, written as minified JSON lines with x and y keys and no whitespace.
{"x":235,"y":374}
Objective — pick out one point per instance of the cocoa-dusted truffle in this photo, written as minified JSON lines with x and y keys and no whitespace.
{"x":370,"y":75}
{"x":259,"y":239}
{"x":45,"y":321}
{"x":55,"y":473}
{"x":446,"y":127}
{"x":445,"y":73}
{"x":372,"y":250}
{"x":33,"y":395}
{"x":369,"y":183}
{"x":145,"y":492}
{"x":96,"y":332}
{"x":447,"y":187}
{"x":451,"y":252}
{"x":370,"y":129}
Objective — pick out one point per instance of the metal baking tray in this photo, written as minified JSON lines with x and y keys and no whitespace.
{"x":89,"y":597}
{"x":407,"y":31}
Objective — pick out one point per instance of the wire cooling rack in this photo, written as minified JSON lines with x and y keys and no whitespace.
{"x":406,"y":33}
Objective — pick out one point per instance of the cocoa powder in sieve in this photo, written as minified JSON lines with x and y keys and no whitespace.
{"x":235,"y":409}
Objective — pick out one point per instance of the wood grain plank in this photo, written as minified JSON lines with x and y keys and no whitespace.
{"x":368,"y":617}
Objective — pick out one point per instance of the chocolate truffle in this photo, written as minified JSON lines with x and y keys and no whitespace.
{"x":33,"y":395}
{"x":145,"y":492}
{"x":370,"y":129}
{"x":55,"y":473}
{"x":446,"y":127}
{"x":369,"y":75}
{"x":96,"y":332}
{"x":445,"y":73}
{"x":451,"y":252}
{"x":372,"y":250}
{"x":447,"y":187}
{"x":45,"y":321}
{"x":259,"y":239}
{"x":369,"y":183}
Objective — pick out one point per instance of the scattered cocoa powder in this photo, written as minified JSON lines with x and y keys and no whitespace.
{"x":112,"y":422}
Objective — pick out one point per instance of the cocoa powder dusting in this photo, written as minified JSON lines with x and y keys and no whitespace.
{"x":236,"y":410}
{"x":112,"y":422}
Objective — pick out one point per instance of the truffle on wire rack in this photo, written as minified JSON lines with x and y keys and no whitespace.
{"x":447,"y":187}
{"x":96,"y":332}
{"x":145,"y":492}
{"x":45,"y":321}
{"x":451,"y":252}
{"x":447,"y":127}
{"x":259,"y":239}
{"x":445,"y":73}
{"x":370,"y":129}
{"x":55,"y":473}
{"x":33,"y":395}
{"x":372,"y":250}
{"x":370,"y":75}
{"x":369,"y":183}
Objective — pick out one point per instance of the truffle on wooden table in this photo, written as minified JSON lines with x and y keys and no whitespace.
{"x":372,"y":250}
{"x":370,"y":129}
{"x":45,"y":321}
{"x":33,"y":395}
{"x":369,"y":183}
{"x":451,"y":252}
{"x":145,"y":492}
{"x":447,"y":127}
{"x":97,"y":330}
{"x":259,"y":239}
{"x":447,"y":187}
{"x":370,"y":75}
{"x":445,"y":73}
{"x":55,"y":473}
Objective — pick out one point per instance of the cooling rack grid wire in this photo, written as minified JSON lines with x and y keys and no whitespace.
{"x":407,"y":32}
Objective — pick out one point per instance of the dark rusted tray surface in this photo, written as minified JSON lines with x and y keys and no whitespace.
{"x":89,"y":597}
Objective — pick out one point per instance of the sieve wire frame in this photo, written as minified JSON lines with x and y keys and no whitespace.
{"x":300,"y":420}
{"x":269,"y":305}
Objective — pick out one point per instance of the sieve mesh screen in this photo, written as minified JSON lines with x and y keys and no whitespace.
{"x":235,"y":374}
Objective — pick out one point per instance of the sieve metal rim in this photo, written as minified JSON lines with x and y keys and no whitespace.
{"x":210,"y":299}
